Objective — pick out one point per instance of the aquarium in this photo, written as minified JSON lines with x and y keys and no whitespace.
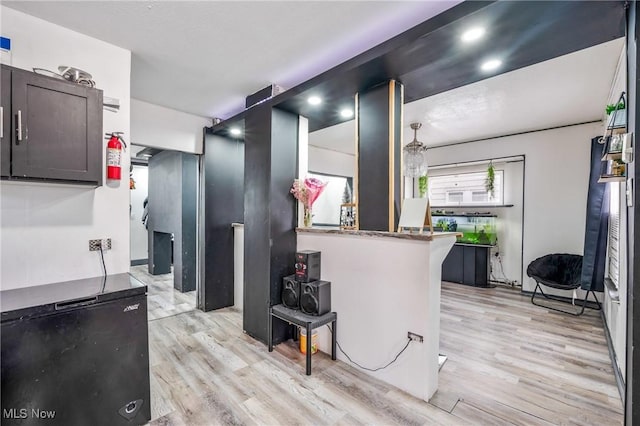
{"x":476,"y":228}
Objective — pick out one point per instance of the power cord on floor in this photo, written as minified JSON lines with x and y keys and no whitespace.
{"x":366,"y":368}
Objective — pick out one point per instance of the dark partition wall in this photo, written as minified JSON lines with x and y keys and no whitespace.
{"x":379,"y":175}
{"x":223,"y":205}
{"x":172,"y":211}
{"x":271,"y":142}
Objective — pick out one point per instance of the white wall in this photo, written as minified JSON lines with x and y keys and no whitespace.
{"x":139,"y":237}
{"x":323,"y":160}
{"x":160,"y":127}
{"x":556,"y":177}
{"x":45,"y":228}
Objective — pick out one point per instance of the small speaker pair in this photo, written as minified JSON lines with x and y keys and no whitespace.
{"x":313,"y":298}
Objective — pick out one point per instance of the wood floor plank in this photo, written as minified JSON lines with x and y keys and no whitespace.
{"x":509,"y":363}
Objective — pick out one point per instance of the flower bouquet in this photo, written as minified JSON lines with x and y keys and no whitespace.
{"x":307,"y":192}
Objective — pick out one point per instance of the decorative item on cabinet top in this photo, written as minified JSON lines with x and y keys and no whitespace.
{"x":71,"y":74}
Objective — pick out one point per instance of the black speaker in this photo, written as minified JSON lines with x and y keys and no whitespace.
{"x":290,"y":292}
{"x":315,"y":297}
{"x":307,"y":266}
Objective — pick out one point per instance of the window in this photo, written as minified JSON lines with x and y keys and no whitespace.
{"x":465,"y":189}
{"x":480,"y":197}
{"x":454,"y":196}
{"x":614,"y":235}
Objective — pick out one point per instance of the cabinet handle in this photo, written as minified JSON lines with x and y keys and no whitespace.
{"x":1,"y":122}
{"x":19,"y":126}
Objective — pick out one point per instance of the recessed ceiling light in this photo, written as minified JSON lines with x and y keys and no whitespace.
{"x":473,"y":34}
{"x":235,"y":131}
{"x":314,"y":100}
{"x":491,"y":65}
{"x":346,"y":113}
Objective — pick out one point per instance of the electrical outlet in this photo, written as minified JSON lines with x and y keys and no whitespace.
{"x":104,"y":243}
{"x":416,"y":337}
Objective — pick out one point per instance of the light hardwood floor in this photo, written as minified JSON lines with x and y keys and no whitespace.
{"x":162,"y":299}
{"x":509,"y":363}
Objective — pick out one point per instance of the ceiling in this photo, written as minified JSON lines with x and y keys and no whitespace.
{"x":205,"y":57}
{"x":567,"y":90}
{"x":431,"y":58}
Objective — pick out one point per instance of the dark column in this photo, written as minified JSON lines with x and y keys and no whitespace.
{"x":172,"y":210}
{"x":632,"y":380}
{"x":223,"y":205}
{"x":271,"y":142}
{"x":160,"y":253}
{"x":378,"y":186}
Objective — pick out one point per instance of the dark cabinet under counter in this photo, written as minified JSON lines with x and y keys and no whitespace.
{"x":76,"y":352}
{"x":467,"y":264}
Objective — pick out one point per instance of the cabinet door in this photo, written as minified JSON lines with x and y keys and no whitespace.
{"x":59,"y":133}
{"x":452,"y":266}
{"x":469,"y":273}
{"x":482,"y":266}
{"x":5,"y":123}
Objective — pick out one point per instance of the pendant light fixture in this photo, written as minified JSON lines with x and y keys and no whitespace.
{"x":415,"y":161}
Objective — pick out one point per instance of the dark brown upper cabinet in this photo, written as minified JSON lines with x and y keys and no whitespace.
{"x":52,"y":129}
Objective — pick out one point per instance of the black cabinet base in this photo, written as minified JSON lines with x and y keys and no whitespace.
{"x":467,"y":264}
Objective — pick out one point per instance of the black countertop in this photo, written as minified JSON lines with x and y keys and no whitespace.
{"x":48,"y":298}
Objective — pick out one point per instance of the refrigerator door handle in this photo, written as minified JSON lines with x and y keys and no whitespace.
{"x":75,"y":303}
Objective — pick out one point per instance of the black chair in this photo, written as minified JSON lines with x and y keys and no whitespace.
{"x":561,"y":271}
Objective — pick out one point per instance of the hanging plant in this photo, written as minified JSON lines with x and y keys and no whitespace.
{"x":614,"y":107}
{"x":491,"y":177}
{"x":422,"y":186}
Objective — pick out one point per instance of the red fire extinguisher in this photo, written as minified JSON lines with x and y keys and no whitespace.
{"x":115,"y":146}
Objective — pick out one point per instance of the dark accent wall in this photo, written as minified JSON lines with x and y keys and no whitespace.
{"x":374,"y":106}
{"x":172,"y":210}
{"x":223,"y":205}
{"x":271,"y":146}
{"x":632,"y":380}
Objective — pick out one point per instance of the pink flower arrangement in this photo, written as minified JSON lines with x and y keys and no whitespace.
{"x":307,"y":191}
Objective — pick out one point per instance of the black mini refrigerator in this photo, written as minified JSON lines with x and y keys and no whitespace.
{"x":76,"y":353}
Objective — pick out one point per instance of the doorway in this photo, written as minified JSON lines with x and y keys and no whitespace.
{"x":163,"y":229}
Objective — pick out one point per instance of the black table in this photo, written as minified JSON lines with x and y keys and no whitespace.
{"x":310,"y":322}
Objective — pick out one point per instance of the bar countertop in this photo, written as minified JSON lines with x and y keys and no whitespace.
{"x":425,"y":236}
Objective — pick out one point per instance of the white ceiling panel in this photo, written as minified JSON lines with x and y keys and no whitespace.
{"x":205,"y":57}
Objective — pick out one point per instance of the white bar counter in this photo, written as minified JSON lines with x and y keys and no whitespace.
{"x":384,"y":285}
